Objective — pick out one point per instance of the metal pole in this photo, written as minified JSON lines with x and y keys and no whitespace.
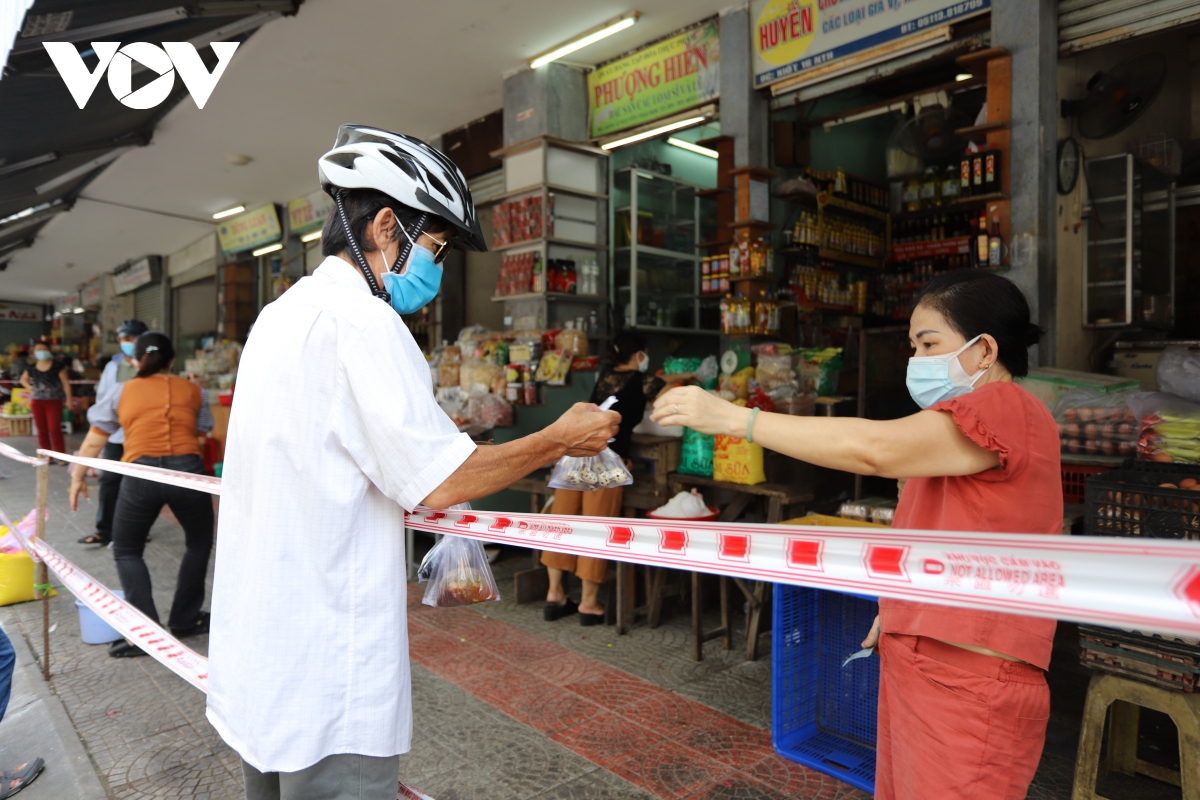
{"x":39,"y":532}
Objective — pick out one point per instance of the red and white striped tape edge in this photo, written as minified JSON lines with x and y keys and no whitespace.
{"x":131,"y":623}
{"x":8,"y":451}
{"x":187,"y":480}
{"x":1145,"y":584}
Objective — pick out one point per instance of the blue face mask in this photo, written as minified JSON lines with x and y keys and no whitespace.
{"x":127,"y":348}
{"x":932,"y":379}
{"x":419,"y":284}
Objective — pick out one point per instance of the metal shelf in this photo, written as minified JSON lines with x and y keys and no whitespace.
{"x":659,"y":252}
{"x":553,"y":296}
{"x":532,"y":243}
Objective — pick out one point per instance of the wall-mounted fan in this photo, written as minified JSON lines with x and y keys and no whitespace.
{"x":930,"y":134}
{"x":1117,"y":97}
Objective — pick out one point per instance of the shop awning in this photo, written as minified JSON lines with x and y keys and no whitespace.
{"x":50,"y":149}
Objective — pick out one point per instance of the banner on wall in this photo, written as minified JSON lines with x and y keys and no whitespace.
{"x":669,"y":76}
{"x":252,"y":229}
{"x":791,"y":36}
{"x":20,"y":312}
{"x":134,"y":276}
{"x":308,"y":213}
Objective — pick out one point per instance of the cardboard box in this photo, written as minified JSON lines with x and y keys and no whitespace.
{"x":1140,"y":365}
{"x":1049,"y":384}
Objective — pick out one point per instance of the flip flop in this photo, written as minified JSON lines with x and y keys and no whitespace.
{"x":24,"y":777}
{"x":92,"y":538}
{"x":554,"y":612}
{"x":120,"y":649}
{"x":588,"y":620}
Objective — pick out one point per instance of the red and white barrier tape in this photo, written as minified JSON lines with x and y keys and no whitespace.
{"x":187,"y":480}
{"x":131,"y":623}
{"x":8,"y":451}
{"x":1148,"y":584}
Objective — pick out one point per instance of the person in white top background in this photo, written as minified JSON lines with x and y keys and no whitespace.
{"x":308,"y":656}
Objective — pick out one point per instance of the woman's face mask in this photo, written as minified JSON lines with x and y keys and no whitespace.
{"x":41,"y":355}
{"x":932,"y":379}
{"x":643,"y":362}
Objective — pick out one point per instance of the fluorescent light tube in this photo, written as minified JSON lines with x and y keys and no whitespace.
{"x":310,"y":237}
{"x":637,"y":137}
{"x":271,"y":248}
{"x":963,"y":76}
{"x":229,"y":212}
{"x":695,"y":148}
{"x":77,"y":311}
{"x":583,"y":41}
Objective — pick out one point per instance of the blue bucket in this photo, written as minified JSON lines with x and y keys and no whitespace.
{"x":93,"y":629}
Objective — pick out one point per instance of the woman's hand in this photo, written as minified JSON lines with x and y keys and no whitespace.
{"x":872,"y":640}
{"x":78,"y":486}
{"x":700,"y":411}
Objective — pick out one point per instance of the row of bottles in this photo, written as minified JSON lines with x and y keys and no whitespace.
{"x":742,"y":316}
{"x":851,"y":237}
{"x":850,"y":187}
{"x":934,"y":228}
{"x":989,"y":247}
{"x":751,"y":259}
{"x":934,"y":189}
{"x":823,"y":287}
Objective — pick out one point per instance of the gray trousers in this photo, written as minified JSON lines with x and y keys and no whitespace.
{"x":340,"y":777}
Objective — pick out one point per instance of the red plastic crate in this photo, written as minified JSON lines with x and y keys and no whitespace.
{"x":1073,"y":478}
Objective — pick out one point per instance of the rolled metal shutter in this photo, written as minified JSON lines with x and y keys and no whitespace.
{"x":1084,"y":24}
{"x":148,"y":306}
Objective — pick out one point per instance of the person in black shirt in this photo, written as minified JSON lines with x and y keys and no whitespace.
{"x":627,"y":378}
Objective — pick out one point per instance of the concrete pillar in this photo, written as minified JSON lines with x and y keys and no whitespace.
{"x":744,"y":111}
{"x":547,"y":101}
{"x":1029,"y":31}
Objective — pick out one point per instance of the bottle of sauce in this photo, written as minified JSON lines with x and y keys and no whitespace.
{"x":912,"y":194}
{"x":929,"y":189}
{"x":994,"y":243}
{"x":950,"y":185}
{"x":982,"y":241}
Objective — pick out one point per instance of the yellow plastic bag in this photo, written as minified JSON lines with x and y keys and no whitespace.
{"x":741,"y":382}
{"x":737,"y":461}
{"x":16,"y":578}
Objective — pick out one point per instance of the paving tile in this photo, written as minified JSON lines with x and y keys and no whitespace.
{"x":669,"y":713}
{"x":612,"y":688}
{"x":787,"y":777}
{"x":739,"y":787}
{"x":596,"y":784}
{"x":607,"y":738}
{"x":730,"y":741}
{"x":670,"y":770}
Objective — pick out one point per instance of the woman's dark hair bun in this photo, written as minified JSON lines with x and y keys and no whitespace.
{"x":624,"y":346}
{"x":975,"y":303}
{"x":154,"y":353}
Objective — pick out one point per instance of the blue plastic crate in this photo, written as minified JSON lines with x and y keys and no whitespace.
{"x":822,"y":715}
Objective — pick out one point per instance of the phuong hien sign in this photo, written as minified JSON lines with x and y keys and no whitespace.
{"x":673,"y":75}
{"x":308,"y":213}
{"x":791,"y":36}
{"x":247,"y":231}
{"x":20,"y":312}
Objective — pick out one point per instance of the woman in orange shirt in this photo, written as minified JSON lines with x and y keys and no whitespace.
{"x":162,"y":415}
{"x":963,"y":701}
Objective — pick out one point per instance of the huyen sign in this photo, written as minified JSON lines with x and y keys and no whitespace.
{"x":678,"y":73}
{"x":792,"y":36}
{"x":165,"y":61}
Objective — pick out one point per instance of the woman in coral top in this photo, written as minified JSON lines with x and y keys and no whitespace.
{"x":163,"y":417}
{"x":963,"y":701}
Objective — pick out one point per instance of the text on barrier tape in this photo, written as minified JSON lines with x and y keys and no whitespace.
{"x":1134,"y":583}
{"x":186,"y":480}
{"x":131,"y":623}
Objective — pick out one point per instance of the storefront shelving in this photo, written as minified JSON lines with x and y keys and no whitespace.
{"x":566,"y":182}
{"x":656,"y":233}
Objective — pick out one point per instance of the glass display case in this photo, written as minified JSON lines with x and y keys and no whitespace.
{"x":656,"y":227}
{"x":1129,"y":250}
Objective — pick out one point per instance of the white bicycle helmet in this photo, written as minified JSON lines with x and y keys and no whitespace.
{"x":407,"y":170}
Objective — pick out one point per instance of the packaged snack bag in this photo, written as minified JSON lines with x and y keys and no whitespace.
{"x":737,"y":461}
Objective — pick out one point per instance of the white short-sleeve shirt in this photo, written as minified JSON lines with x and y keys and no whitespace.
{"x":308,"y":655}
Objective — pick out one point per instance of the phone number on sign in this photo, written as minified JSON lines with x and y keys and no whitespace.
{"x":945,"y":15}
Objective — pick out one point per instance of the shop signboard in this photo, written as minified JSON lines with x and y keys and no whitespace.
{"x":252,"y":229}
{"x":792,"y":36}
{"x":136,"y":275}
{"x":68,"y":303}
{"x":20,"y":312}
{"x":308,"y":213}
{"x":93,"y":293}
{"x":669,"y":76}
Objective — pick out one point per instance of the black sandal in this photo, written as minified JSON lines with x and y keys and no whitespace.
{"x":120,"y":649}
{"x":198,"y":627}
{"x":554,"y":612}
{"x":588,"y":620}
{"x":93,"y":538}
{"x":24,"y":776}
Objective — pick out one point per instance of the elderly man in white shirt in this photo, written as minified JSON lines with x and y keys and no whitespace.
{"x":309,"y":673}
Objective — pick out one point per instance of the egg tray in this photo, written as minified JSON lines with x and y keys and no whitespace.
{"x":1132,"y":502}
{"x":1148,"y":658}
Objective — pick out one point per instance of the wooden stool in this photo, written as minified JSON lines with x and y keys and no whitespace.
{"x":780,"y":498}
{"x":628,"y":611}
{"x":1126,"y":696}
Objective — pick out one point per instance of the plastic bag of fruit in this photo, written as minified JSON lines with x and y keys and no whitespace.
{"x":458,"y":574}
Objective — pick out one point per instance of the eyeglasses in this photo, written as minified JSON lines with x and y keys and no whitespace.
{"x":443,"y":247}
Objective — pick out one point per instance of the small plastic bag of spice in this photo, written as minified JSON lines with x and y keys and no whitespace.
{"x":458,"y":574}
